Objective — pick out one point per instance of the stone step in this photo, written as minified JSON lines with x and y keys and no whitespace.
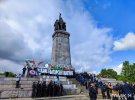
{"x":107,"y":79}
{"x":84,"y":91}
{"x":71,"y":86}
{"x":28,"y":82}
{"x":112,"y":81}
{"x":13,"y":81}
{"x":34,"y":79}
{"x":23,"y":93}
{"x":68,"y":97}
{"x":8,"y":90}
{"x":5,"y":87}
{"x":99,"y":96}
{"x":15,"y":89}
{"x":13,"y":86}
{"x":15,"y":93}
{"x":82,"y":88}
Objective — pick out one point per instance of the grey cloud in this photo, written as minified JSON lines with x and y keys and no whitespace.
{"x":29,"y":26}
{"x":11,"y":43}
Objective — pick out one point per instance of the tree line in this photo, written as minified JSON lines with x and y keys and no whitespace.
{"x":7,"y":74}
{"x":127,"y":73}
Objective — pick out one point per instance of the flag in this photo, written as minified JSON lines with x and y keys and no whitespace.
{"x":42,"y":62}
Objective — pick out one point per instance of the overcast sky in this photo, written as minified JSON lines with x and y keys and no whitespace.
{"x":102,"y":32}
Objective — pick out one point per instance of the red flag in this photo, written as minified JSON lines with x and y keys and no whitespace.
{"x":49,"y":65}
{"x":42,"y":62}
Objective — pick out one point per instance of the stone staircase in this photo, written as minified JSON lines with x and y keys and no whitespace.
{"x":112,"y":81}
{"x":72,"y":87}
{"x":84,"y":91}
{"x":68,"y":97}
{"x":82,"y":88}
{"x":8,"y":90}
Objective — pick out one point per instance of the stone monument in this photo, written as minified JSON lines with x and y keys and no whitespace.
{"x":61,"y":45}
{"x":60,"y":55}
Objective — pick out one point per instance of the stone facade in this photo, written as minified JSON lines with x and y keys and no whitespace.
{"x":61,"y":44}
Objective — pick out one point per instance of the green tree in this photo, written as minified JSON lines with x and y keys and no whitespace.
{"x":9,"y":74}
{"x":6,"y":74}
{"x":108,"y":73}
{"x":128,"y":72}
{"x":112,"y":73}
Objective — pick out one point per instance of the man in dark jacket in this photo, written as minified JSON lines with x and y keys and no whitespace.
{"x":92,"y":92}
{"x":128,"y":91}
{"x":44,"y":89}
{"x":108,"y":90}
{"x":50,"y":89}
{"x":134,"y":88}
{"x":61,"y":89}
{"x":24,"y":70}
{"x":103,"y":90}
{"x":38,"y":89}
{"x":34,"y":89}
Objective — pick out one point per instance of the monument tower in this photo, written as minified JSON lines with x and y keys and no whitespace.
{"x":61,"y":45}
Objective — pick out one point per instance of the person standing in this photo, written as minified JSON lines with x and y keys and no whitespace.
{"x":44,"y":89}
{"x":109,"y":89}
{"x":24,"y":70}
{"x":18,"y":81}
{"x":38,"y":89}
{"x":57,"y":75}
{"x":103,"y":90}
{"x":134,"y":88}
{"x":115,"y":92}
{"x":54,"y":89}
{"x":128,"y":91}
{"x":34,"y":89}
{"x":58,"y":90}
{"x":96,"y":85}
{"x":61,"y":89}
{"x":92,"y":92}
{"x":50,"y":89}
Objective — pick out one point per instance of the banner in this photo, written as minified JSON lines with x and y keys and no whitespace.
{"x":55,"y":70}
{"x":33,"y":69}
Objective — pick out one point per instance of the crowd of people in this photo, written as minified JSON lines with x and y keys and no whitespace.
{"x":125,"y":91}
{"x":42,"y":89}
{"x":90,"y":82}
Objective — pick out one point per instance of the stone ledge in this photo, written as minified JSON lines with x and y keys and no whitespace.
{"x":16,"y":89}
{"x":68,"y":97}
{"x":29,"y":82}
{"x":7,"y":87}
{"x":23,"y":93}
